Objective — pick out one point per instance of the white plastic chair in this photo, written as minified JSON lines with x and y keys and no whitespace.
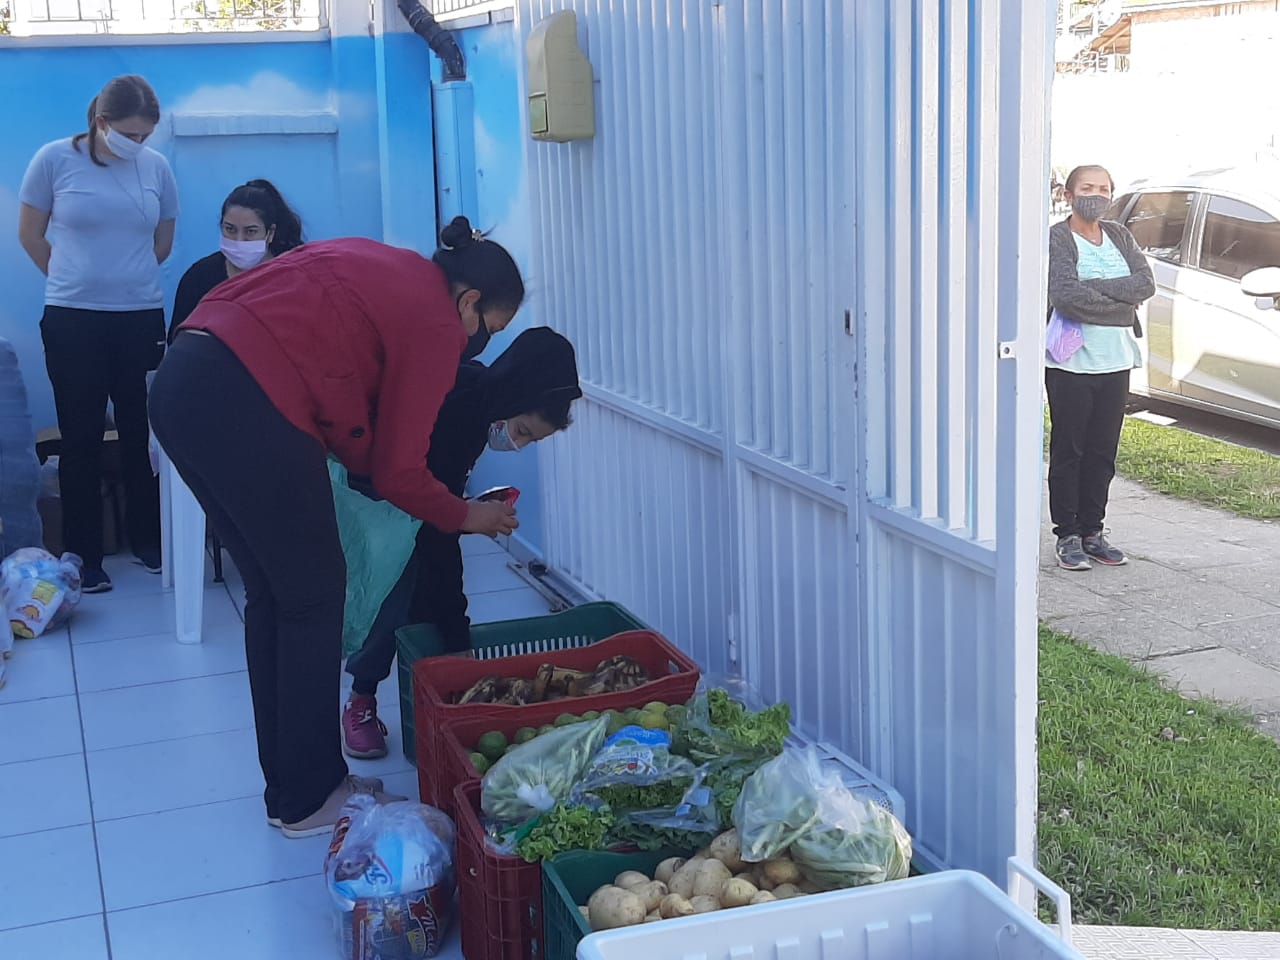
{"x":182,"y":532}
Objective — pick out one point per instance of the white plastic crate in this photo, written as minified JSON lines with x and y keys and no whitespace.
{"x":955,"y":915}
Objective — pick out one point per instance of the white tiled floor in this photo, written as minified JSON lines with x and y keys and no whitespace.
{"x":131,"y":818}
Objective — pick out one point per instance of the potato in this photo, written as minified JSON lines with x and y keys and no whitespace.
{"x":728,"y":850}
{"x":652,"y":917}
{"x":704,"y":904}
{"x":785,"y":891}
{"x":667,"y":869}
{"x":736,"y":893}
{"x":747,"y":876}
{"x":759,"y":878}
{"x":710,"y":878}
{"x":651,"y":893}
{"x":585,"y":912}
{"x":598,"y":893}
{"x":630,"y":878}
{"x":780,"y":871}
{"x":682,"y":881}
{"x":763,"y":896}
{"x":674,"y":905}
{"x":612,"y":907}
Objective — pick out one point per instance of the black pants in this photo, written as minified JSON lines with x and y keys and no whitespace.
{"x":264,"y":485}
{"x":94,"y":356}
{"x":371,"y":664}
{"x":1087,"y":411}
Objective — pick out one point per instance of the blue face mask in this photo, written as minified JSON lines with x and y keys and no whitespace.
{"x":500,"y":440}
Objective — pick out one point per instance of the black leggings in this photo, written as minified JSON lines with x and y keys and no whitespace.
{"x":264,"y":486}
{"x":94,"y":356}
{"x":1087,"y":412}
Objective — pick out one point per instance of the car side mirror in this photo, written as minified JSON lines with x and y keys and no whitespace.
{"x":1263,"y":285}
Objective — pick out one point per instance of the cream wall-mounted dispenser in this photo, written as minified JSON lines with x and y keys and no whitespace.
{"x":561,"y":95}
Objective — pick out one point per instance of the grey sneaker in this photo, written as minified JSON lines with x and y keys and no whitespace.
{"x":322,"y":820}
{"x":364,"y":784}
{"x":1096,"y":546}
{"x":1071,"y":555}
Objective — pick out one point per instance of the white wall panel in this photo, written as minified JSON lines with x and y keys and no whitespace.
{"x":840,"y":511}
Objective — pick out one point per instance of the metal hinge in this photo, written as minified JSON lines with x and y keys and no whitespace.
{"x":1007,"y":351}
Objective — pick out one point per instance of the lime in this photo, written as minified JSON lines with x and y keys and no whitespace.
{"x":565,"y":719}
{"x":525,"y":734}
{"x":677,"y":714}
{"x":655,"y":707}
{"x":633,"y":715}
{"x":591,"y":715}
{"x":616,"y":721}
{"x":653,"y":721}
{"x":493,"y":745}
{"x":545,"y":728}
{"x":480,"y":762}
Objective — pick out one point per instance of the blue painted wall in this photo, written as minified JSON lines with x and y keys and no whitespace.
{"x":302,"y":114}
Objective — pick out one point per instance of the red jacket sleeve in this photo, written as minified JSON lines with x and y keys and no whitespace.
{"x":417,"y":373}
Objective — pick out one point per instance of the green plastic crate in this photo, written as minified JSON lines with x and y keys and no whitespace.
{"x":570,"y":878}
{"x":576,"y":627}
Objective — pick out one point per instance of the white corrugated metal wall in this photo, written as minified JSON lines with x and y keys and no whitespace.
{"x":788,"y":260}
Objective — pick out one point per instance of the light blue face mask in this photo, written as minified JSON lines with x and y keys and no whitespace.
{"x":500,"y":440}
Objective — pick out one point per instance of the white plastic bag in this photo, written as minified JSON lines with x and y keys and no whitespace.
{"x":38,"y":591}
{"x":390,"y":873}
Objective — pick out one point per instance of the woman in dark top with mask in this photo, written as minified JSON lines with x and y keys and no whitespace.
{"x":257,"y":225}
{"x":523,"y":397}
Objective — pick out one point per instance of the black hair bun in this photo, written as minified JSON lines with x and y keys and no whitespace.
{"x":458,"y":234}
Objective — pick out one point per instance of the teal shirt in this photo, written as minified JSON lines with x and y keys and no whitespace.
{"x":1105,"y":349}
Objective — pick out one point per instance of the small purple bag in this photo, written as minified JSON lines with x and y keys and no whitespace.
{"x":1063,"y":338}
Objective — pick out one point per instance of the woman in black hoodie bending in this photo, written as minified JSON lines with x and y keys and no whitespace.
{"x":523,"y":397}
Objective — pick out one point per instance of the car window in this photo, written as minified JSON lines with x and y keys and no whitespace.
{"x":1116,"y":210}
{"x":1157,"y":221}
{"x":1238,"y":237}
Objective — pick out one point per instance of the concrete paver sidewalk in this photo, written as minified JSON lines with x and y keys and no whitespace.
{"x":1146,"y":943}
{"x":1197,"y":602}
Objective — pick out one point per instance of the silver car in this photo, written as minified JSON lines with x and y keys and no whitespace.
{"x":1209,"y":342}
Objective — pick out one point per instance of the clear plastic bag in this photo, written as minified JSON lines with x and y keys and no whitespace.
{"x":837,"y":838}
{"x":390,"y":874}
{"x":1062,"y":338}
{"x":729,"y":731}
{"x":532,"y":778}
{"x":38,"y":591}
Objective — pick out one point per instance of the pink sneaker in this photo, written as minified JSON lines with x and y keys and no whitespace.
{"x":364,"y":736}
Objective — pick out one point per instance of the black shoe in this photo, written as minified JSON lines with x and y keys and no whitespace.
{"x":94,"y":580}
{"x":1071,"y":555}
{"x":149,"y":557}
{"x":1096,"y":546}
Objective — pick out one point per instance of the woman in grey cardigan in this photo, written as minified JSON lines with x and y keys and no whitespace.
{"x":1097,"y":278}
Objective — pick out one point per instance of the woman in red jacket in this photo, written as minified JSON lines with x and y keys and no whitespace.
{"x":342,"y":348}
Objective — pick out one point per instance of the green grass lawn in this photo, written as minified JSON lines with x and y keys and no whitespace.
{"x":1202,"y":469}
{"x":1154,"y":810}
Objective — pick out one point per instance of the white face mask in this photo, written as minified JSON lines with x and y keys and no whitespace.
{"x":120,"y":145}
{"x":500,"y":440}
{"x":244,"y":253}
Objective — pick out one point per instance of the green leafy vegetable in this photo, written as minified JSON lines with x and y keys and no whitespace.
{"x":627,"y":796}
{"x":768,"y":729}
{"x":645,"y":836}
{"x":565,"y":828}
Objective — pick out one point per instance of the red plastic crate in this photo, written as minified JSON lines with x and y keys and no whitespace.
{"x":457,"y":740}
{"x":436,"y":679}
{"x":499,"y":898}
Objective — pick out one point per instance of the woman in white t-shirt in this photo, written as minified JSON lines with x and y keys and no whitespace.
{"x":97,"y":217}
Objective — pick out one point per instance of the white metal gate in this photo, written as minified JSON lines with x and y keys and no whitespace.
{"x":778,"y":188}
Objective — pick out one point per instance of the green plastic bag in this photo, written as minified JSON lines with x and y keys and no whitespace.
{"x":377,"y":540}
